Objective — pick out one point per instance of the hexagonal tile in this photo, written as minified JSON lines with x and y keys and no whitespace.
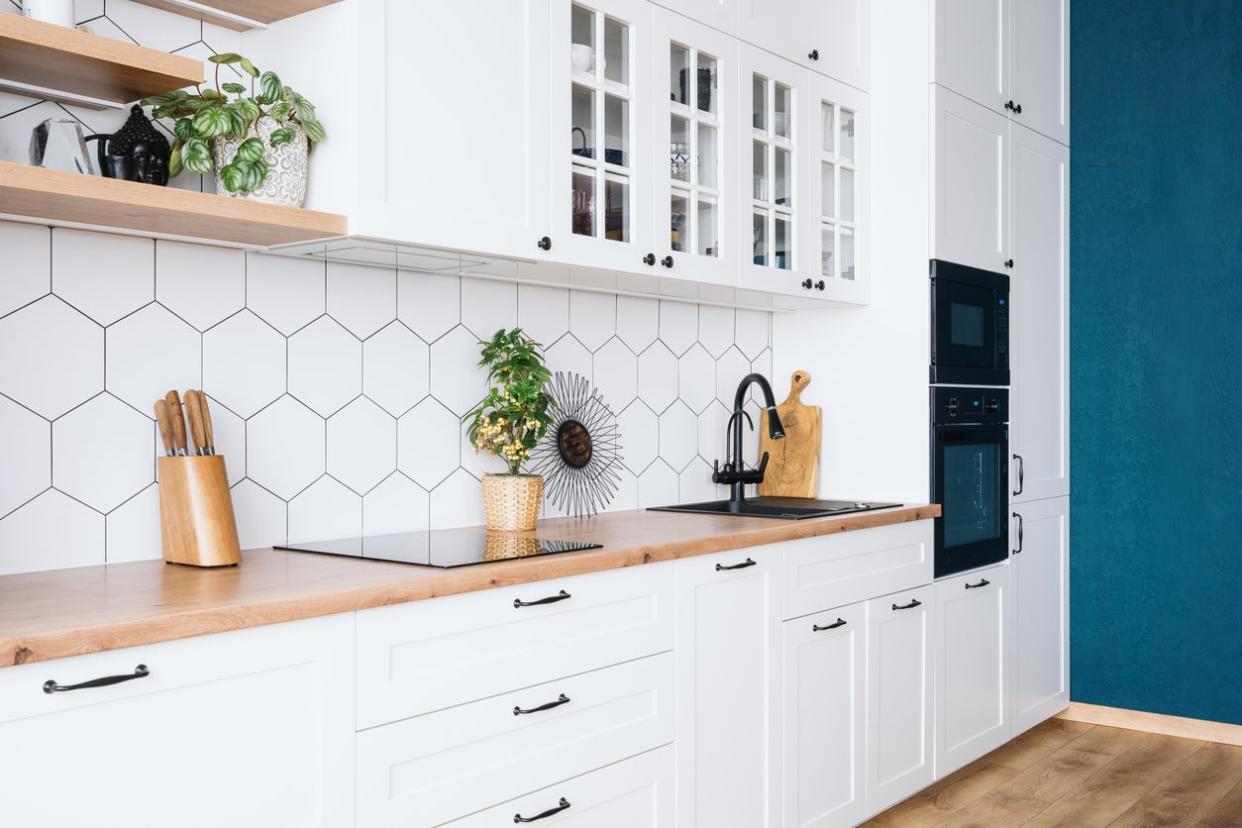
{"x":488,"y":306}
{"x":229,"y":431}
{"x":363,"y":299}
{"x":203,"y":285}
{"x":134,"y":528}
{"x":27,"y":264}
{"x":568,"y":355}
{"x":25,"y":445}
{"x":149,"y":352}
{"x":397,"y":504}
{"x":69,"y":368}
{"x":696,"y":378}
{"x":101,"y":453}
{"x":262,"y":517}
{"x":285,"y":293}
{"x":152,"y":27}
{"x":396,"y":368}
{"x":457,"y":501}
{"x":679,"y":436}
{"x":543,"y":312}
{"x":285,"y":447}
{"x":638,"y":321}
{"x":657,"y":486}
{"x":640,"y":436}
{"x":730,"y":369}
{"x":694,"y":484}
{"x":427,"y":446}
{"x":325,"y":366}
{"x":244,"y":363}
{"x":456,"y":379}
{"x":615,"y":369}
{"x":752,"y":331}
{"x":762,"y":364}
{"x":627,"y":492}
{"x":679,"y":326}
{"x":592,"y":317}
{"x":362,"y":445}
{"x":715,"y":329}
{"x":657,"y":376}
{"x":325,"y":510}
{"x":105,"y":277}
{"x":52,"y":531}
{"x":429,"y":303}
{"x":713,"y":428}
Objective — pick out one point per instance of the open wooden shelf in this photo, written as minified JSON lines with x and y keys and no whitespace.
{"x":64,"y":197}
{"x":239,"y":15}
{"x":70,"y":60}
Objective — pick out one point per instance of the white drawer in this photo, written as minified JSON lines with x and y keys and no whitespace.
{"x":835,"y":570}
{"x":428,"y":655}
{"x":429,"y":769}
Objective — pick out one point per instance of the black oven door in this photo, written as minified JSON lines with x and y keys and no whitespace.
{"x":970,"y":473}
{"x":969,"y":325}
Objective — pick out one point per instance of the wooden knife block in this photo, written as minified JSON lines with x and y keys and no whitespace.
{"x":196,"y":512}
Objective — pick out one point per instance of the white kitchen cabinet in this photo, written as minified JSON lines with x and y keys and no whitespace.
{"x":973,"y":644}
{"x":829,"y":36}
{"x":719,"y":14}
{"x":899,"y":697}
{"x":1040,"y":610}
{"x":824,"y":711}
{"x":253,"y":727}
{"x":972,"y":49}
{"x":1039,"y":398}
{"x":1039,"y":68}
{"x":970,"y":182}
{"x":728,"y":700}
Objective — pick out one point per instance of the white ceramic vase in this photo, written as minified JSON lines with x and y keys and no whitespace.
{"x":288,"y":166}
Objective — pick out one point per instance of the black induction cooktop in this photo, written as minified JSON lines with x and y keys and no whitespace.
{"x":443,"y":549}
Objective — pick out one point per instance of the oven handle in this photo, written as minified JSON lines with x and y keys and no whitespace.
{"x":1021,"y":474}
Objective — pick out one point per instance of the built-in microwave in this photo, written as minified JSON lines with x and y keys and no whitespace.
{"x":969,"y":325}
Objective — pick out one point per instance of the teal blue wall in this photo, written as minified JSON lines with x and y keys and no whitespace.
{"x":1156,"y":352}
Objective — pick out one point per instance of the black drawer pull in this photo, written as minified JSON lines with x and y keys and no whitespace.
{"x":840,"y":622}
{"x":562,"y":805}
{"x":518,"y":603}
{"x":742,"y":565}
{"x":913,"y":603}
{"x":562,"y":699}
{"x":1021,"y":532}
{"x":141,"y":671}
{"x":982,"y":583}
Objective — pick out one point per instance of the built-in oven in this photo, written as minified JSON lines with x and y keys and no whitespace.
{"x":969,"y":476}
{"x":969,"y":325}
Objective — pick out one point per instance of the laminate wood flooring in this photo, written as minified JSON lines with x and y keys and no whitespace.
{"x":1078,"y":775}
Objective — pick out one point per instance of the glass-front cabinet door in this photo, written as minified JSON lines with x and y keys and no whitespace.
{"x":840,"y":199}
{"x":601,"y":77}
{"x":695,"y":150}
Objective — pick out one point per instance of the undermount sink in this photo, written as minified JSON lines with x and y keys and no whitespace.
{"x":781,"y":508}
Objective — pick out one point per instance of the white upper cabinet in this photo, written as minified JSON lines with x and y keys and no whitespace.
{"x":971,"y":50}
{"x":1039,"y":214}
{"x":839,"y":204}
{"x":1039,"y":70}
{"x":829,"y":36}
{"x":719,"y":14}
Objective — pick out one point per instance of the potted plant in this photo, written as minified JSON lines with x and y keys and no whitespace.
{"x":509,"y":423}
{"x":257,"y":139}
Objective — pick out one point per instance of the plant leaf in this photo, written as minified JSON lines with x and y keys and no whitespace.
{"x":280,"y":111}
{"x":232,"y":177}
{"x":237,"y":120}
{"x":251,"y":150}
{"x":226,"y":58}
{"x":184,"y":129}
{"x":211,"y":122}
{"x":249,"y":109}
{"x":248,"y":68}
{"x":280,"y":136}
{"x":235,"y":88}
{"x":174,"y":161}
{"x":314,"y":130}
{"x":269,"y":83}
{"x":212,"y":95}
{"x":252,"y":174}
{"x":196,"y":156}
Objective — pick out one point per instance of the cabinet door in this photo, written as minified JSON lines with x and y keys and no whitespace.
{"x":727,"y":716}
{"x":899,"y":693}
{"x":972,"y":682}
{"x":719,"y":14}
{"x":1040,"y":567}
{"x":839,"y":203}
{"x":971,"y":49}
{"x":601,"y":135}
{"x":695,"y":121}
{"x":824,"y":690}
{"x":1040,"y":66}
{"x":1039,"y":419}
{"x":970,"y":186}
{"x":793,"y":29}
{"x":253,"y":727}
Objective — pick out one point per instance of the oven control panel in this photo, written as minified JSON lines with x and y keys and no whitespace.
{"x":954,"y":404}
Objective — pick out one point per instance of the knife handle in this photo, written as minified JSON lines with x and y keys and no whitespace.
{"x":177,"y":419}
{"x":209,"y":434}
{"x":194,"y":414}
{"x":164,"y":421}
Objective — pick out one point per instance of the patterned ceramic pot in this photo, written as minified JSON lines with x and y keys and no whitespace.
{"x":288,"y":165}
{"x":512,"y":501}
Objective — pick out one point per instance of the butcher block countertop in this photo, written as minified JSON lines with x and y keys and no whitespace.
{"x":68,"y":612}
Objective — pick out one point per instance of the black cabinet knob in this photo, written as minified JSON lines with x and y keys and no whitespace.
{"x":814,"y":55}
{"x":649,"y":259}
{"x":667,"y":261}
{"x":820,"y":285}
{"x":1008,"y":262}
{"x":544,"y":244}
{"x":806,"y":283}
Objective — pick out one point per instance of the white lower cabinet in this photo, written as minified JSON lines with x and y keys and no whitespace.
{"x":824,"y":730}
{"x":972,"y":676}
{"x":899,"y":693}
{"x":253,"y":727}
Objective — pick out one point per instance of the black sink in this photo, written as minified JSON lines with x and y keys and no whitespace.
{"x":781,"y":508}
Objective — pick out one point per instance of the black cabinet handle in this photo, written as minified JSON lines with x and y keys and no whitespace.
{"x":518,"y":603}
{"x":1021,"y":474}
{"x":807,"y":283}
{"x":141,"y":671}
{"x":820,"y":285}
{"x":915,"y":602}
{"x":562,"y":805}
{"x":649,"y":259}
{"x":742,"y":565}
{"x":562,"y":699}
{"x":1013,"y":107}
{"x":982,"y":583}
{"x":840,"y":622}
{"x":1009,"y":263}
{"x":667,"y":261}
{"x":1020,"y":532}
{"x":814,"y":54}
{"x":1017,"y":108}
{"x":545,"y":243}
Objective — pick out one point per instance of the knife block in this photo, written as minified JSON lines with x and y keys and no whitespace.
{"x":196,"y":512}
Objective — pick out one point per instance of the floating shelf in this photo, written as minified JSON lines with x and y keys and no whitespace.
{"x":72,"y":198}
{"x":78,"y":62}
{"x":239,"y":15}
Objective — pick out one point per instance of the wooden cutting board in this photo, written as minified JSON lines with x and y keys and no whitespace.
{"x":793,"y":465}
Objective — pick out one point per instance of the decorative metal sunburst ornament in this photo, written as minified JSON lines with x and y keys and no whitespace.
{"x":580,"y":456}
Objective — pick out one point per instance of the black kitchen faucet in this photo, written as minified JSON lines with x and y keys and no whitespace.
{"x":734,"y":471}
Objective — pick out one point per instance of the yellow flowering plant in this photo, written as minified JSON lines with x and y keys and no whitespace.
{"x":512,"y":418}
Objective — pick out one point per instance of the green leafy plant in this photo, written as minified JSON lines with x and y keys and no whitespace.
{"x":512,"y":418}
{"x":233,"y":110}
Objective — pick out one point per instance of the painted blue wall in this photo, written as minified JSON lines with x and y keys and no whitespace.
{"x":1156,"y":352}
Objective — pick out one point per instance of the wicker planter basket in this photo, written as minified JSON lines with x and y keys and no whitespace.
{"x":511,"y":501}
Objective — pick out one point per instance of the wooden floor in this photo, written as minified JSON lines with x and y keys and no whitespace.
{"x":1081,"y":775}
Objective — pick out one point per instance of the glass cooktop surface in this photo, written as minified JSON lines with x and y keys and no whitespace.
{"x":443,"y":549}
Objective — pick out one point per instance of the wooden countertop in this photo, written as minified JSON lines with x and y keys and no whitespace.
{"x":67,"y":612}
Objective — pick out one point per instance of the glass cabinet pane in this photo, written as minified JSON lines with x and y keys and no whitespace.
{"x":582,"y":208}
{"x":583,"y":114}
{"x":827,"y":190}
{"x":847,"y":134}
{"x":759,"y":102}
{"x":616,"y":51}
{"x":783,"y":178}
{"x":679,"y":74}
{"x":760,"y":170}
{"x":827,"y":240}
{"x":782,"y":116}
{"x":708,"y":243}
{"x":679,"y":229}
{"x":616,"y":130}
{"x":679,"y":148}
{"x":759,"y":238}
{"x":708,"y":159}
{"x":705,"y":98}
{"x":782,"y":244}
{"x":827,"y":128}
{"x":582,"y":36}
{"x":847,"y":254}
{"x":847,"y":194}
{"x":617,"y":208}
